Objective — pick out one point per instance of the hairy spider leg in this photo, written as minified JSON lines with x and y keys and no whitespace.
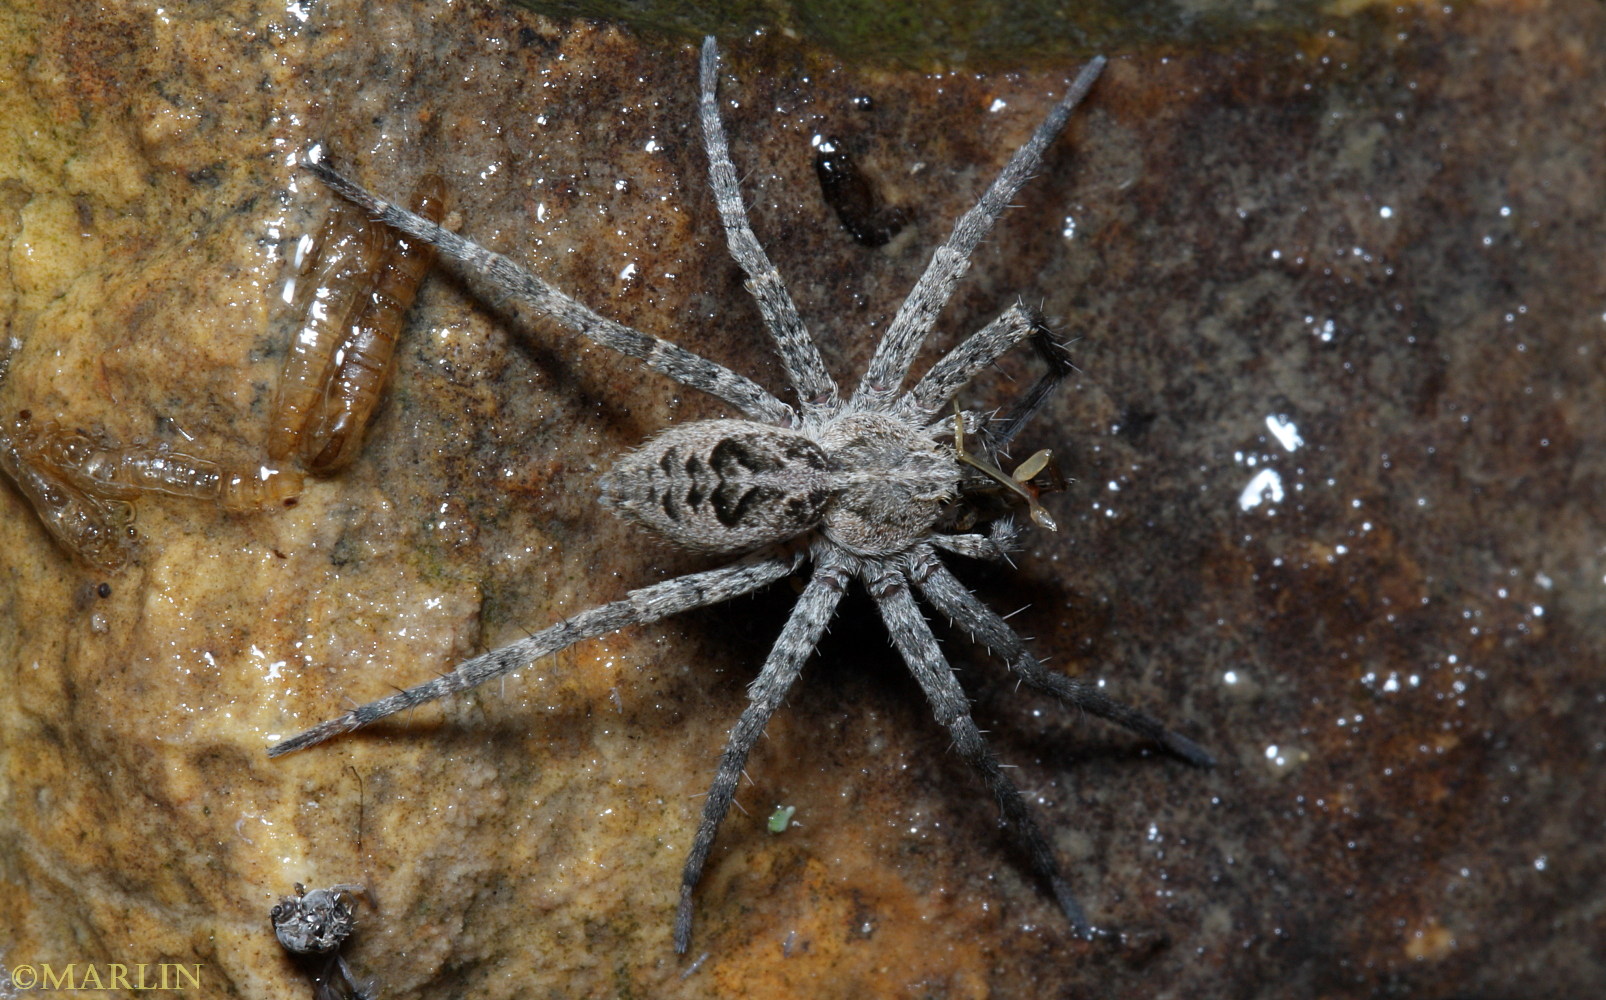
{"x":797,"y":640}
{"x":919,"y":649}
{"x":946,"y":594}
{"x":507,"y":286}
{"x":890,"y":364}
{"x":799,"y":355}
{"x":1060,"y":367}
{"x":994,"y":546}
{"x":638,"y":607}
{"x":956,"y":368}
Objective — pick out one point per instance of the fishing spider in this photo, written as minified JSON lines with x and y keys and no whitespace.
{"x":861,"y":486}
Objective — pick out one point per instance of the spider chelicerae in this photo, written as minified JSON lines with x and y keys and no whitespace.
{"x":863,"y":487}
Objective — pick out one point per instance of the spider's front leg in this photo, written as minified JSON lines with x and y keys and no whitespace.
{"x":955,"y":369}
{"x":896,"y":352}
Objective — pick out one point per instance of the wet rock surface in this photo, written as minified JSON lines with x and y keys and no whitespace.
{"x":1336,"y":439}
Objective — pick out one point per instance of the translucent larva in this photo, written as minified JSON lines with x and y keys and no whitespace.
{"x":363,"y":362}
{"x":97,"y":530}
{"x":82,"y":483}
{"x":351,"y":254}
{"x":99,"y":467}
{"x":259,"y":489}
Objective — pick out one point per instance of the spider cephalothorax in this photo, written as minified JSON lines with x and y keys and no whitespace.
{"x":863,"y":487}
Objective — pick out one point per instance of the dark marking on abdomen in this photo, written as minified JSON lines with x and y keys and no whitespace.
{"x":723,"y":485}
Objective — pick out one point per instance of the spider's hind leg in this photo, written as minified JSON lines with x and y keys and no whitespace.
{"x":639,"y":607}
{"x":914,"y":640}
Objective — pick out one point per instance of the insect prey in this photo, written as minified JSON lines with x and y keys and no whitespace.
{"x":313,"y":926}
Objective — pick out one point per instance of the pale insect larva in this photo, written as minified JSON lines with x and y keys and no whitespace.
{"x":99,"y":467}
{"x":97,"y":530}
{"x":128,"y":472}
{"x":351,"y":253}
{"x":259,"y":489}
{"x":82,"y":484}
{"x":99,"y":533}
{"x":364,"y":358}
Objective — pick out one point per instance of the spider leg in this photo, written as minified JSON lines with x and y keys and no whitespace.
{"x":890,"y":364}
{"x":934,"y":391}
{"x":995,"y":546}
{"x":797,"y":640}
{"x":799,"y":356}
{"x":914,"y":640}
{"x":361,"y":989}
{"x":955,"y":600}
{"x":507,"y":286}
{"x":638,"y":607}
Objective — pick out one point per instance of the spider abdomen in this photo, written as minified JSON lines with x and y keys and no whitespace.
{"x":722,"y":485}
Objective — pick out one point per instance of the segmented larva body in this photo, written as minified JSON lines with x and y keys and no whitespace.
{"x":97,"y":530}
{"x":259,"y":489}
{"x":82,"y":484}
{"x":363,"y":360}
{"x":351,"y":252}
{"x":98,"y":467}
{"x":125,"y":473}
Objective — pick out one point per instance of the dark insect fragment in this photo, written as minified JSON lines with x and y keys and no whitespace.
{"x":856,"y":199}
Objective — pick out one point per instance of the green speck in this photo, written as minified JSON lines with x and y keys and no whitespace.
{"x":781,"y":818}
